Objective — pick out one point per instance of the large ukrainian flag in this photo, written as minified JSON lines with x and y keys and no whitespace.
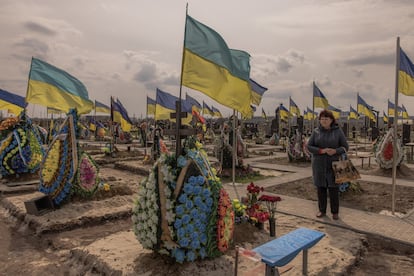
{"x":405,"y":75}
{"x":293,"y":108}
{"x":353,"y":114}
{"x":335,"y":111}
{"x":210,"y":67}
{"x":12,"y":102}
{"x":51,"y":86}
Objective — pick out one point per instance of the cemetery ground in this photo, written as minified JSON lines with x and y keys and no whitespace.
{"x":95,"y":237}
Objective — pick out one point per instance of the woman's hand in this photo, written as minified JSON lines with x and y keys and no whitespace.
{"x":329,"y":151}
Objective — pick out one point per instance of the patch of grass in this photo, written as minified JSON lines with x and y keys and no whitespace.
{"x":244,"y":179}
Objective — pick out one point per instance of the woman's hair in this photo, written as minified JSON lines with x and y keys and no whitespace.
{"x":329,"y":114}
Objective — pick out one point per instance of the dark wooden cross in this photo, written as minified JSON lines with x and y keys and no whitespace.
{"x":179,"y":132}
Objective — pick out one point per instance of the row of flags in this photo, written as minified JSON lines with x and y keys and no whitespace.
{"x":165,"y":104}
{"x":209,"y":66}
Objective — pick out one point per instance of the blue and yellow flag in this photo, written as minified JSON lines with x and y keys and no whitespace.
{"x":100,"y":107}
{"x":385,"y":118}
{"x":319,"y":99}
{"x":335,"y":111}
{"x":404,"y":113}
{"x":391,"y":109}
{"x":51,"y":110}
{"x":194,"y":103}
{"x":405,"y":75}
{"x":12,"y":102}
{"x":257,"y":92}
{"x":151,"y":103}
{"x":283,"y":112}
{"x":165,"y":105}
{"x":207,"y":110}
{"x":210,"y":67}
{"x":120,"y":115}
{"x":51,"y":86}
{"x":216,"y":112}
{"x":293,"y":108}
{"x":353,"y":114}
{"x":364,"y":108}
{"x":309,"y":114}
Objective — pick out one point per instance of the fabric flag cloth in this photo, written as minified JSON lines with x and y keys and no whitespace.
{"x":335,"y":111}
{"x":319,"y":99}
{"x":120,"y":115}
{"x":404,"y":113}
{"x":210,"y":67}
{"x":283,"y":112}
{"x":353,"y":114}
{"x":257,"y":92}
{"x":391,"y":109}
{"x":293,"y":108}
{"x":13,"y":103}
{"x":311,"y":115}
{"x":92,"y":125}
{"x":51,"y":110}
{"x":207,"y":110}
{"x":385,"y":118}
{"x":151,"y":103}
{"x":216,"y":112}
{"x":194,"y":103}
{"x":264,"y":114}
{"x":165,"y":105}
{"x":51,"y":86}
{"x":405,"y":75}
{"x":100,"y":107}
{"x":364,"y":108}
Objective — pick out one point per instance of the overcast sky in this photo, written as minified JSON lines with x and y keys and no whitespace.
{"x":128,"y":48}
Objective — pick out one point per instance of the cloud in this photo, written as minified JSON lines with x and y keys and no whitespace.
{"x":33,"y":47}
{"x":371,"y":59}
{"x":39,"y":28}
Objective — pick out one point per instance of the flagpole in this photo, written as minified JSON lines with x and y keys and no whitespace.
{"x":313,"y":105}
{"x":394,"y":152}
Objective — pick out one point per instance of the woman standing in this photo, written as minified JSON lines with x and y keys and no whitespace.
{"x":326,"y":144}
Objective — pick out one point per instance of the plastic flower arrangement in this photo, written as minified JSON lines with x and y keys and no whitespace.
{"x":182,"y":210}
{"x":254,"y":210}
{"x":239,"y":211}
{"x":271,"y":203}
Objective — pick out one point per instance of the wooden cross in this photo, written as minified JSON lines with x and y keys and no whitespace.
{"x":179,"y":132}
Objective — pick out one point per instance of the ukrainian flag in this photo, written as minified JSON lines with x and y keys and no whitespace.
{"x":353,"y":114}
{"x":151,"y":103}
{"x":51,"y":86}
{"x":405,"y":75}
{"x":283,"y":112}
{"x":335,"y":111}
{"x":293,"y":108}
{"x":310,"y":114}
{"x":120,"y":115}
{"x":13,"y":103}
{"x":257,"y":92}
{"x":364,"y":108}
{"x":216,"y":112}
{"x":207,"y":110}
{"x":194,"y":103}
{"x":100,"y":107}
{"x":405,"y":113}
{"x":210,"y":67}
{"x":319,"y":99}
{"x":165,"y":105}
{"x":385,"y":119}
{"x":391,"y":109}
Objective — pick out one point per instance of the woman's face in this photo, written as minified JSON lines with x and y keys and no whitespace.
{"x":325,"y":122}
